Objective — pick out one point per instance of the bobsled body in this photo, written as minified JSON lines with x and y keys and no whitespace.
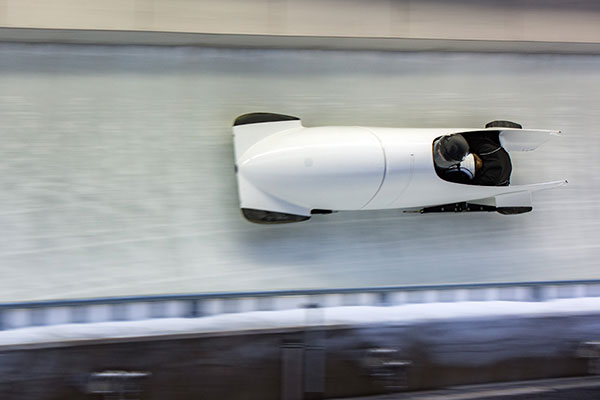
{"x":288,"y":169}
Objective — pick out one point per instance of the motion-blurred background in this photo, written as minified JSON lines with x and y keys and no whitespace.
{"x":116,"y":157}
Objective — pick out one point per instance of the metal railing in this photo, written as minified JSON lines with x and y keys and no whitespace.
{"x":41,"y":313}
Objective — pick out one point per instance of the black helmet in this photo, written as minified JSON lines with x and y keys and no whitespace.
{"x":450,"y":150}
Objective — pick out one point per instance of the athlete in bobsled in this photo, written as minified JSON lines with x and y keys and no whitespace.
{"x":475,"y":158}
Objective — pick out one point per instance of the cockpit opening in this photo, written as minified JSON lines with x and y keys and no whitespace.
{"x":472,"y":158}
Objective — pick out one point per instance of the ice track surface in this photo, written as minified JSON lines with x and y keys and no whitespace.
{"x":116,"y":171}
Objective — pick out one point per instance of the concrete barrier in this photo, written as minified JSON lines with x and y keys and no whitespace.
{"x":305,"y":362}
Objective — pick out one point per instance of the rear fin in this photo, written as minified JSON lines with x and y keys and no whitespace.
{"x":517,"y":201}
{"x":524,"y":139}
{"x":534,"y":187}
{"x":517,"y":195}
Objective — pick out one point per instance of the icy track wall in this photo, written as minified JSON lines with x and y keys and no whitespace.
{"x":117,"y":176}
{"x":331,"y":352}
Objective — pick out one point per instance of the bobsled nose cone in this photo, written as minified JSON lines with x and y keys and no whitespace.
{"x":320,"y":168}
{"x":269,"y":168}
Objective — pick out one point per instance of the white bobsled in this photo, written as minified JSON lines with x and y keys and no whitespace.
{"x":287,"y":172}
